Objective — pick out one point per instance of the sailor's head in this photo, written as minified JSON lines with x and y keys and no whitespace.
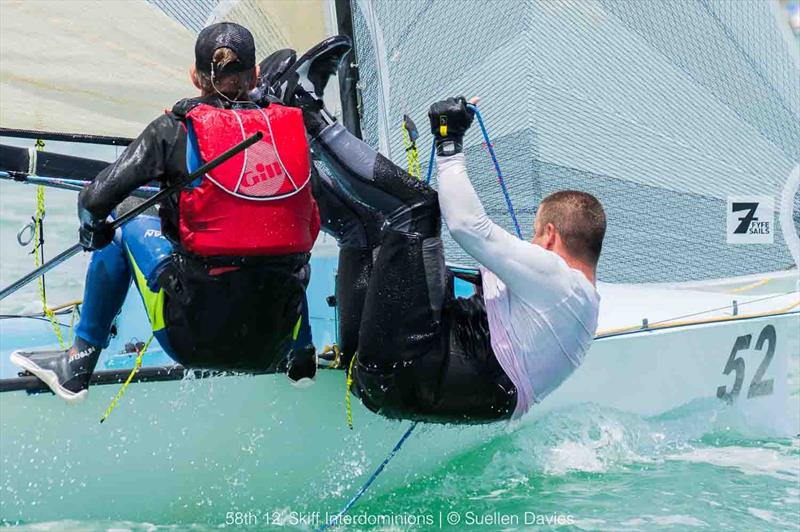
{"x":225,"y":61}
{"x":572,"y":224}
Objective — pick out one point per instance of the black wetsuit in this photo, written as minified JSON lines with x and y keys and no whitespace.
{"x":421,"y":353}
{"x":220,"y":312}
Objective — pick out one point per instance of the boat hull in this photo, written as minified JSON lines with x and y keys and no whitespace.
{"x":652,"y":372}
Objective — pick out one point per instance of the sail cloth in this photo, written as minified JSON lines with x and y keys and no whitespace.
{"x":663,"y":110}
{"x":298,"y":24}
{"x":95,"y":67}
{"x":275,"y":24}
{"x":110,"y":67}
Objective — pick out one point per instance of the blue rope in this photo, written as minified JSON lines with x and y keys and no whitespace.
{"x":368,"y":483}
{"x":430,"y":162}
{"x":496,"y":167}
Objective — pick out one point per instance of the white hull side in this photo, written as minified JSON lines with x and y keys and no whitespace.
{"x":652,"y":372}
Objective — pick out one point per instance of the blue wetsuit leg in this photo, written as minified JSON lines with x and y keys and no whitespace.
{"x":148,"y":253}
{"x":107,"y":282}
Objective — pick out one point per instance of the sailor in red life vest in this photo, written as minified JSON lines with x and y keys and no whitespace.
{"x":222,"y":269}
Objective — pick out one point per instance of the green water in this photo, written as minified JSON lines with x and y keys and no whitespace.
{"x":583,"y":468}
{"x":592,"y":468}
{"x":619,"y":473}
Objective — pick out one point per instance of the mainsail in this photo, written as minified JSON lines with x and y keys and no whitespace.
{"x":110,"y":67}
{"x":663,"y":110}
{"x":104,"y":68}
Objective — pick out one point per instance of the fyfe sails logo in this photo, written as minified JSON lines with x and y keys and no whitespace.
{"x":751,"y":220}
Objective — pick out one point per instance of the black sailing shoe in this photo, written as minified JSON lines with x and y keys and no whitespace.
{"x":66,"y":373}
{"x":302,"y":368}
{"x":271,"y":68}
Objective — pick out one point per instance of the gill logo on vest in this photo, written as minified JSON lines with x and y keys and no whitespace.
{"x":260,"y":173}
{"x":263,"y":174}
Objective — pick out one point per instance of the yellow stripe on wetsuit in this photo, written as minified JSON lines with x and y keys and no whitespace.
{"x":153,"y":301}
{"x":296,"y":330}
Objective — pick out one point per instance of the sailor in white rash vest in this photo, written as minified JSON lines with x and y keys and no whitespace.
{"x":540,"y":298}
{"x":417,"y":351}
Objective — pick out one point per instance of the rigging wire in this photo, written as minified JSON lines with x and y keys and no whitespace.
{"x":354,"y":499}
{"x":676,"y":320}
{"x":721,"y":308}
{"x":490,"y":147}
{"x":431,"y":161}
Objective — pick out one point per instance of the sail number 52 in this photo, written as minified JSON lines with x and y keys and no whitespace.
{"x":736,"y":364}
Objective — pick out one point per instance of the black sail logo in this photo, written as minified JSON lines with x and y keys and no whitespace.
{"x":750,"y":220}
{"x":747,"y":219}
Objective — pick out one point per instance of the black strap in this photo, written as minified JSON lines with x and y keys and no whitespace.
{"x":288,"y":262}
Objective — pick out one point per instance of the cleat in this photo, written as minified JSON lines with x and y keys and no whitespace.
{"x":331,"y":356}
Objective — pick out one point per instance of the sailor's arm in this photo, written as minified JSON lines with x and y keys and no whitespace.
{"x":522,"y":266}
{"x":525,"y":268}
{"x":142,"y":161}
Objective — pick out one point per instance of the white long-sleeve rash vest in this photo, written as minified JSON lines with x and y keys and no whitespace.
{"x":542,"y":313}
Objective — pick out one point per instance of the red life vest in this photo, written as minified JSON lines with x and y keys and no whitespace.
{"x":257,"y":202}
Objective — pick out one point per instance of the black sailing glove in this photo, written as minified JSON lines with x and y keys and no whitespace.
{"x":450,"y":119}
{"x":95,"y":233}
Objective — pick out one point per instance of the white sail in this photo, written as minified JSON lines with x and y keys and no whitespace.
{"x":663,"y":110}
{"x":298,"y":24}
{"x":91,"y":67}
{"x":110,"y":67}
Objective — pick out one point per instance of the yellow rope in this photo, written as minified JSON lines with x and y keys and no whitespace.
{"x":415,"y":159}
{"x":73,"y":316}
{"x":411,"y":153}
{"x":72,"y":326}
{"x":347,"y":392}
{"x":74,"y":303}
{"x":135,"y":369}
{"x":406,"y":142}
{"x":37,"y":232}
